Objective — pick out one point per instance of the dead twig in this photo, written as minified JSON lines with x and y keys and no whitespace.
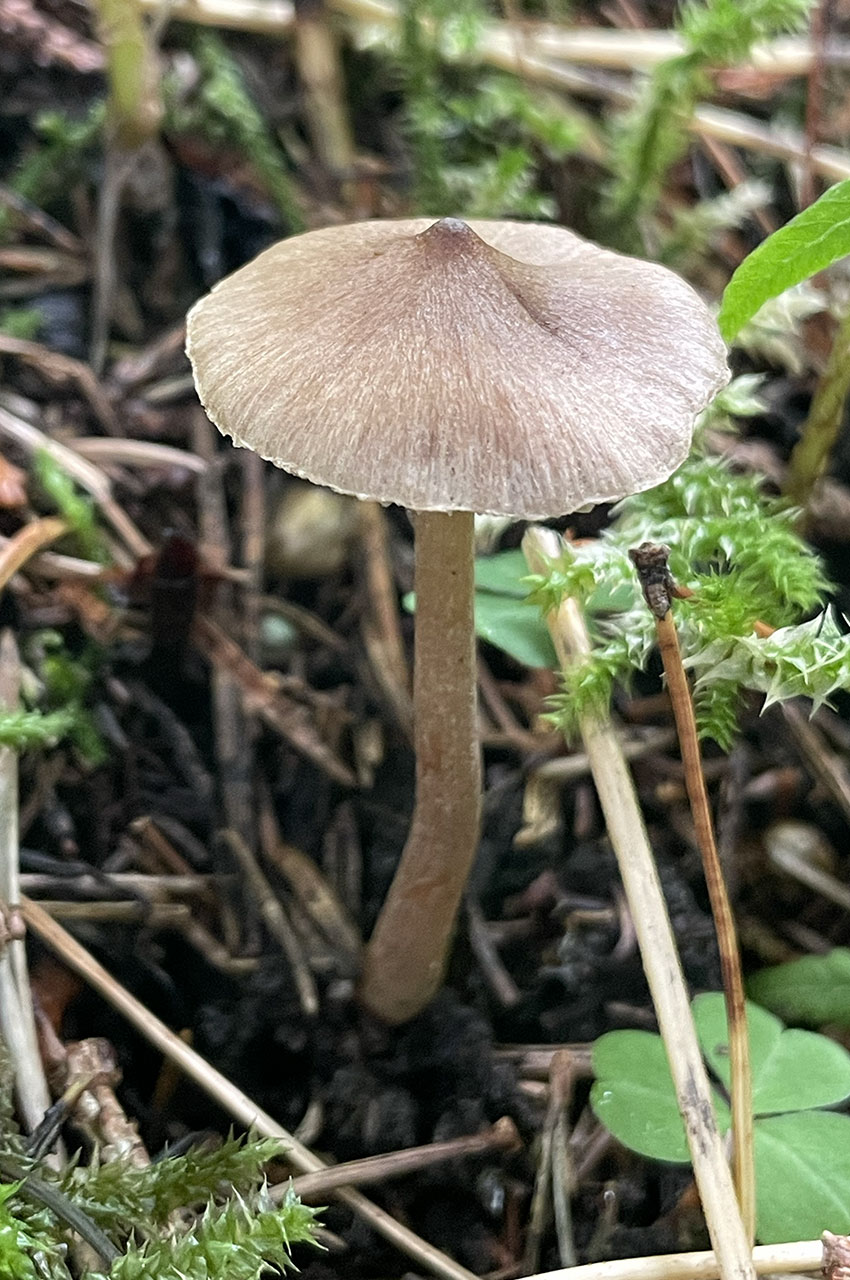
{"x":483,"y":948}
{"x":262,"y":695}
{"x":276,"y":920}
{"x":782,"y":1259}
{"x":232,"y":1099}
{"x":60,"y":369}
{"x":659,"y":588}
{"x":628,"y":837}
{"x":502,"y":1136}
{"x":26,"y":542}
{"x":316,"y":898}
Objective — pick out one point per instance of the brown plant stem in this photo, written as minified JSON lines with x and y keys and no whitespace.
{"x":658,"y":588}
{"x":629,"y":840}
{"x":779,"y":1259}
{"x":26,"y":542}
{"x":406,"y":956}
{"x":501,"y":1136}
{"x":238,"y":1104}
{"x":323,"y":91}
{"x":821,"y":428}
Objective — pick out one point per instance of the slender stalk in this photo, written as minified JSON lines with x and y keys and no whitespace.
{"x":658,"y":586}
{"x":17,"y":1021}
{"x":768,"y":1259}
{"x":821,"y":428}
{"x":628,"y":837}
{"x":502,"y":1136}
{"x":242,"y":1108}
{"x":323,"y":88}
{"x":406,"y":956}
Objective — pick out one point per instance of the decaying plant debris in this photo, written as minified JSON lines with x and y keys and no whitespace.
{"x":206,"y":770}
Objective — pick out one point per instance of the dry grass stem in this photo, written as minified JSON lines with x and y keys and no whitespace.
{"x":315,"y":897}
{"x":105,"y":450}
{"x":513,"y":50}
{"x":226,"y":1094}
{"x":500,"y":46}
{"x":768,"y":1259}
{"x":501,"y":1136}
{"x":614,"y":49}
{"x":262,"y":696}
{"x":17,"y":1023}
{"x":276,"y":921}
{"x":829,"y":767}
{"x":29,"y":539}
{"x":88,"y":476}
{"x":655,"y":937}
{"x":658,"y":588}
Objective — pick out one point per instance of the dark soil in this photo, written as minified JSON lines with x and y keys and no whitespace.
{"x":194,"y":212}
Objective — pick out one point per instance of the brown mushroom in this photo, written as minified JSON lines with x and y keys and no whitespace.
{"x":453,"y":368}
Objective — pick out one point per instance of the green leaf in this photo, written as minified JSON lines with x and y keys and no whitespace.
{"x":502,"y":573}
{"x":810,"y":242}
{"x":515,"y":627}
{"x":813,"y":990}
{"x":505,"y":620}
{"x":802,"y":1156}
{"x":802,"y":1176}
{"x":633,"y":1095}
{"x":792,"y":1070}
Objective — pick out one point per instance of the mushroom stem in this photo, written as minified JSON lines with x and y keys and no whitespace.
{"x":406,"y":956}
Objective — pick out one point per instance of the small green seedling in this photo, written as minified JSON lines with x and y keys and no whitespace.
{"x":814,"y":990}
{"x":503,"y":618}
{"x":502,"y":615}
{"x":75,"y":507}
{"x":802,"y":1152}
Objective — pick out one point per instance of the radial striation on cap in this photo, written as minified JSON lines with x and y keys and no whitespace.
{"x":501,"y":367}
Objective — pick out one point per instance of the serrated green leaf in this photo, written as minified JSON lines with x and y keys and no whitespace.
{"x":633,"y":1095}
{"x":802,"y":1176}
{"x":810,"y":242}
{"x":813,"y":990}
{"x":792,"y":1070}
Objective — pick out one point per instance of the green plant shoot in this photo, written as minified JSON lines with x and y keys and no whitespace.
{"x":202,"y":1215}
{"x":73,"y":506}
{"x":654,"y":135}
{"x":736,"y":549}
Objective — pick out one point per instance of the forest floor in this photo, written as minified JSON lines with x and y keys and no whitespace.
{"x":221,"y":825}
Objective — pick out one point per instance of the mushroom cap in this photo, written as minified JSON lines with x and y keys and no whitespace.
{"x":500,"y":367}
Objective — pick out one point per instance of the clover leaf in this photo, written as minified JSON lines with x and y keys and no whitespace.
{"x":812,"y":990}
{"x":802,"y":1153}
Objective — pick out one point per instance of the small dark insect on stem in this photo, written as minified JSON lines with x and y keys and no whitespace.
{"x":659,"y":589}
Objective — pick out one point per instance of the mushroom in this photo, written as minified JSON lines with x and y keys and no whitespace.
{"x":452,"y":368}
